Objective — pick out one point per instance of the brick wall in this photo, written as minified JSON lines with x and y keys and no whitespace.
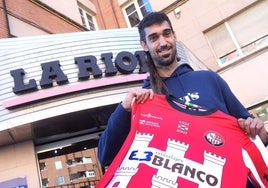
{"x":3,"y":25}
{"x":40,"y":17}
{"x":109,"y":14}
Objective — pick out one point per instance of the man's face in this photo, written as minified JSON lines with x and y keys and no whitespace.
{"x":161,"y":44}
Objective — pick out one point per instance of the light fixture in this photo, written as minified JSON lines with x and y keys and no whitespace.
{"x":177,"y":12}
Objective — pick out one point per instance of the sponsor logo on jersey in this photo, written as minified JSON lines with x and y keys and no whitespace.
{"x":148,"y":123}
{"x":184,"y":168}
{"x":183,"y":127}
{"x":149,"y":115}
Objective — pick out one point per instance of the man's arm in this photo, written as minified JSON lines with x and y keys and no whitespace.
{"x":118,"y":126}
{"x":252,"y":126}
{"x":114,"y":135}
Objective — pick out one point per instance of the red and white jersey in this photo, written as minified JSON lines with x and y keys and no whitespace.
{"x":169,"y":146}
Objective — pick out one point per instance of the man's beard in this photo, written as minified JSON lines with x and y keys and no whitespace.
{"x":165,"y":60}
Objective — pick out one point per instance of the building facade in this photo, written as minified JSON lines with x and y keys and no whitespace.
{"x":53,"y":108}
{"x":80,"y":169}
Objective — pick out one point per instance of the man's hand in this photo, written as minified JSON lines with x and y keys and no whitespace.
{"x":253,"y":127}
{"x":140,"y":95}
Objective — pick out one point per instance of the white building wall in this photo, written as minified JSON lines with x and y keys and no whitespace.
{"x":67,"y":8}
{"x":247,"y":77}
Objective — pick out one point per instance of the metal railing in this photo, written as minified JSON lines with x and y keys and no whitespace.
{"x":86,"y":184}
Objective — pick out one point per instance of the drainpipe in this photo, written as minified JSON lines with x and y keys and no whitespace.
{"x":7,"y":22}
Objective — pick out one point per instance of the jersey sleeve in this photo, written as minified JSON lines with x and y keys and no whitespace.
{"x":255,"y":157}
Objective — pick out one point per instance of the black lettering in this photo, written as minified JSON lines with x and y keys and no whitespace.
{"x":177,"y":166}
{"x":19,"y":85}
{"x":141,"y":57}
{"x":211,"y":180}
{"x":85,"y":64}
{"x":126,"y":62}
{"x":158,"y":161}
{"x":189,"y":170}
{"x":166,"y":164}
{"x":110,"y":69}
{"x":198,"y":174}
{"x":51,"y":70}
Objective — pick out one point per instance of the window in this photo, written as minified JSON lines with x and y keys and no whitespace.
{"x":78,"y":160}
{"x":58,"y":165}
{"x":87,"y":20}
{"x":69,"y":162}
{"x":81,"y":175}
{"x":42,"y":166}
{"x":87,"y":160}
{"x":260,"y":111}
{"x":241,"y":35}
{"x":45,"y":182}
{"x":135,"y":11}
{"x":61,"y":180}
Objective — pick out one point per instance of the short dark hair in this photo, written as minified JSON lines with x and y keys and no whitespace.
{"x":151,"y":19}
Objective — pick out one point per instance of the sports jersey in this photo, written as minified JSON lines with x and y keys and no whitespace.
{"x":172,"y":146}
{"x":205,"y":88}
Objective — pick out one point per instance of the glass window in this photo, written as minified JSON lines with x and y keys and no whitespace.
{"x":69,"y":162}
{"x":42,"y":166}
{"x":241,"y":34}
{"x":145,"y":7}
{"x":61,"y":180}
{"x":87,"y":20}
{"x":87,"y":160}
{"x":260,"y":111}
{"x":136,"y":10}
{"x":58,"y":165}
{"x":45,"y":182}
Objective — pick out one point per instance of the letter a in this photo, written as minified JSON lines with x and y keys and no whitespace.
{"x":51,"y":70}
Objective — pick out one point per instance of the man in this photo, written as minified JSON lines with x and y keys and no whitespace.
{"x":167,"y":76}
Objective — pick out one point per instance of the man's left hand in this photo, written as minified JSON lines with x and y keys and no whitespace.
{"x":253,"y":127}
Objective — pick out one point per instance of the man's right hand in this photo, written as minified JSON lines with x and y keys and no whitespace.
{"x":140,"y":95}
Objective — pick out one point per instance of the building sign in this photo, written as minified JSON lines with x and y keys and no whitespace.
{"x":125,"y":63}
{"x":42,"y":67}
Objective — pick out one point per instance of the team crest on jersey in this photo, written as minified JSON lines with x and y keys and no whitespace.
{"x":214,"y":138}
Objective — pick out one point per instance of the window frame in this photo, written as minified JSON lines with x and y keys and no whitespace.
{"x":85,"y":21}
{"x":58,"y":165}
{"x":137,"y":9}
{"x":61,"y":180}
{"x":228,"y":55}
{"x":260,"y":111}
